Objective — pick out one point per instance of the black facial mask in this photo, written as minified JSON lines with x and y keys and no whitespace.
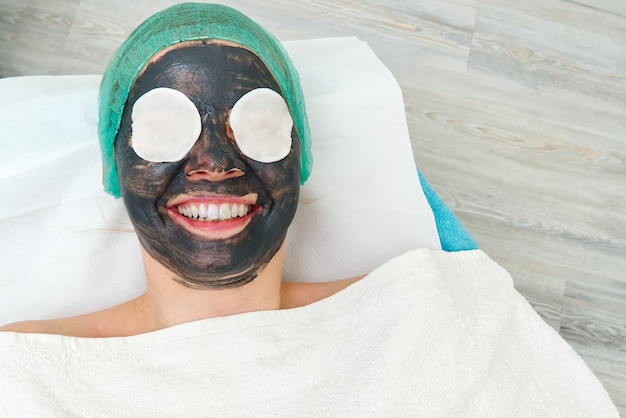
{"x":166,"y":200}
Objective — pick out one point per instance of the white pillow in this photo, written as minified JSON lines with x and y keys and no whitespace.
{"x":68,"y":248}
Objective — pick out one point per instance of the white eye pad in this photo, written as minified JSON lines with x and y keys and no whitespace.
{"x":165,"y":125}
{"x":261,"y":124}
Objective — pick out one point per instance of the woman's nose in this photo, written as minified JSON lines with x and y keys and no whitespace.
{"x":214,"y":157}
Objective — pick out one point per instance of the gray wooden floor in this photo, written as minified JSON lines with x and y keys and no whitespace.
{"x":517,"y":114}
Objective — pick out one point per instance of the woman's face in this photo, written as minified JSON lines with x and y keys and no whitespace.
{"x":173,"y":205}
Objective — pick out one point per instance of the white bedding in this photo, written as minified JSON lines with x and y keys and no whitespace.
{"x":411,"y":339}
{"x":67,"y":247}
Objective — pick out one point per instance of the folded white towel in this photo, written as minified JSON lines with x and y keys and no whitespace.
{"x":427,"y":334}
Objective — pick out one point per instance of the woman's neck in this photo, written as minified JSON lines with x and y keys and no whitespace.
{"x":167,"y":302}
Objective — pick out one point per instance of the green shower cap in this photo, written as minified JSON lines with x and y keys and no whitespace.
{"x":192,"y":22}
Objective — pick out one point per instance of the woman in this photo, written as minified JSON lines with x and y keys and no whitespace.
{"x":198,"y":267}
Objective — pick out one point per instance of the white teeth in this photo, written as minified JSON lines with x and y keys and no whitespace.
{"x":185,"y":211}
{"x":194,"y":211}
{"x":224,"y":211}
{"x":213,"y":212}
{"x":202,"y":211}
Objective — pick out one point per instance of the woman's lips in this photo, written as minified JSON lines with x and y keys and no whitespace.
{"x":213,"y":217}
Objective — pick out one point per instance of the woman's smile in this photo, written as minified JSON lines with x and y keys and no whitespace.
{"x":214,"y":217}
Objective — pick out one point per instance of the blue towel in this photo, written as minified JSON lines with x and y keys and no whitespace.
{"x":453,"y":236}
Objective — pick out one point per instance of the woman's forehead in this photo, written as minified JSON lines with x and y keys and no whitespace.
{"x":214,"y":54}
{"x":199,"y":65}
{"x":184,"y":44}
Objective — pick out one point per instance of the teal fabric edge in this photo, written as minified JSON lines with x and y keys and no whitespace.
{"x":452,"y":235}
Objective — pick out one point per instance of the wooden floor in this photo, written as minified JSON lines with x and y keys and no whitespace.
{"x":517,"y":114}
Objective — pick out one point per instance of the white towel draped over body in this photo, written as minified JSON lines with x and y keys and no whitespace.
{"x":427,"y":334}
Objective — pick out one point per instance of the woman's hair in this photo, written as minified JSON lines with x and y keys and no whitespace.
{"x":192,"y":22}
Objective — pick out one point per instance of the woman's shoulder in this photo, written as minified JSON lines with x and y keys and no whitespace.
{"x":62,"y":326}
{"x":297,"y":294}
{"x":99,"y":324}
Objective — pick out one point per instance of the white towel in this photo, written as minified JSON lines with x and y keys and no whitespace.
{"x":428,"y":334}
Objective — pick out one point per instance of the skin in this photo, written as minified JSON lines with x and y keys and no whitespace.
{"x":214,"y":76}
